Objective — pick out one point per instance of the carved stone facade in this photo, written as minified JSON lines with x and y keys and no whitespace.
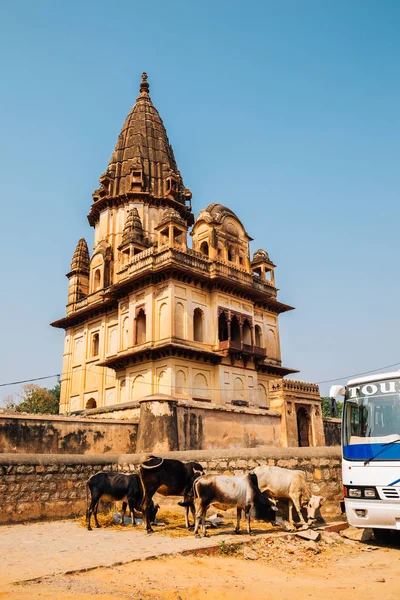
{"x":147,"y":314}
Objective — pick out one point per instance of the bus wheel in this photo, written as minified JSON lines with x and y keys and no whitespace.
{"x":382,"y":535}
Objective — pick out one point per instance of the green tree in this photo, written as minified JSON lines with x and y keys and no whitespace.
{"x":326,"y":407}
{"x":36,"y":400}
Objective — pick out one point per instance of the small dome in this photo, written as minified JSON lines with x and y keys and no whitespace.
{"x":219,"y":211}
{"x":172,"y":215}
{"x":261,"y":255}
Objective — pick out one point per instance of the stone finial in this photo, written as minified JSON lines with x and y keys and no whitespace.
{"x":81,"y":259}
{"x":133,"y":230}
{"x":144,"y":85}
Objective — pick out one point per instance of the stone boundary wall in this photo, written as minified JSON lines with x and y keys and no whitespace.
{"x":25,"y":433}
{"x":34,"y":486}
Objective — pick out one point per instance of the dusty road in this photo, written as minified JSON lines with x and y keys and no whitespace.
{"x":274,"y":565}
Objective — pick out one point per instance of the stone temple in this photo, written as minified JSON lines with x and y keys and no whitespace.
{"x":183,"y":338}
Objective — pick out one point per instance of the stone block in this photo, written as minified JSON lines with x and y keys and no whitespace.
{"x":39,"y":468}
{"x":317,"y":474}
{"x":356,"y":534}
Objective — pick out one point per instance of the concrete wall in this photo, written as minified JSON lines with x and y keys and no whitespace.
{"x":333,"y":431}
{"x":54,"y":486}
{"x":66,"y":435}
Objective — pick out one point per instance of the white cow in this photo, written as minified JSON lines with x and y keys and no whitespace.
{"x":229,"y":491}
{"x":291,"y":484}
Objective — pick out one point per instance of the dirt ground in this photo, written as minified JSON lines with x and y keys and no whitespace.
{"x":273,"y":565}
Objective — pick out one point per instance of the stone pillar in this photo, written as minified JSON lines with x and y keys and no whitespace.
{"x":158,"y":424}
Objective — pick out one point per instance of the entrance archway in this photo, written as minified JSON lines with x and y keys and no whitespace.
{"x":303,"y":427}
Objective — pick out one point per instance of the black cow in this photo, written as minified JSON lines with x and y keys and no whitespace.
{"x":169,"y":478}
{"x":117,"y":486}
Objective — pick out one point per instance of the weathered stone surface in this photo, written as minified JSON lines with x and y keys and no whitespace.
{"x":309,"y":534}
{"x":357,"y":535}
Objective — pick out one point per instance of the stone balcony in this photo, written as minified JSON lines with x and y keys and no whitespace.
{"x":232,"y":346}
{"x":154,"y":259}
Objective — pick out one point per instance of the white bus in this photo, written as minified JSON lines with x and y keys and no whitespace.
{"x":371,"y":452}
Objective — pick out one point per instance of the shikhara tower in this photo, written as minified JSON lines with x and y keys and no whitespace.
{"x":146,"y":314}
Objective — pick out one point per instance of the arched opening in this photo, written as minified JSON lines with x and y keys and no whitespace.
{"x":95,"y":344}
{"x":198,"y":325}
{"x":139,"y":388}
{"x":91,"y":403}
{"x":263,"y":396}
{"x":164,"y":321}
{"x":141,"y":327}
{"x":180,"y":382}
{"x":97,"y":280}
{"x":235,"y":329}
{"x":180,"y":321}
{"x":258,"y":336}
{"x":230,"y":255}
{"x":162,"y":383}
{"x":200,"y":386}
{"x":107,"y":273}
{"x":271,"y":343}
{"x":204,"y":248}
{"x":125,"y":333}
{"x":222,"y":327}
{"x":238,"y":389}
{"x":122,"y":391}
{"x":303,"y":427}
{"x":247,"y":333}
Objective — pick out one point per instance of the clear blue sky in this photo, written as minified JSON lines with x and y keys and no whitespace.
{"x":285,"y":111}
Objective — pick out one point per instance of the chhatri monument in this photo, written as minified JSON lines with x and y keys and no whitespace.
{"x":157,"y":329}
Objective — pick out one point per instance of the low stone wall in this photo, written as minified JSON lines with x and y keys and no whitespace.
{"x":333,"y":431}
{"x":54,"y":486}
{"x":208,"y":427}
{"x":66,"y":435}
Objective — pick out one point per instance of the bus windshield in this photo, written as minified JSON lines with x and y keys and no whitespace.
{"x":372,"y":413}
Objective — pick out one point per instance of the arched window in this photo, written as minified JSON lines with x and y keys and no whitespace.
{"x":162,"y":385}
{"x":263,"y":396}
{"x":122,"y":391}
{"x":271,"y":343}
{"x":231,"y":254}
{"x":238,"y":388}
{"x":95,"y":344}
{"x":164,"y":321}
{"x":91,"y":403}
{"x":180,"y":382}
{"x":200,"y":388}
{"x":204,"y":248}
{"x":125,"y":333}
{"x":258,"y":336}
{"x":141,"y":327}
{"x":247,"y":333}
{"x":222,"y":327}
{"x":139,"y":388}
{"x":198,"y":325}
{"x":180,"y":320}
{"x":235,"y":329}
{"x":97,"y":279}
{"x":107,"y":273}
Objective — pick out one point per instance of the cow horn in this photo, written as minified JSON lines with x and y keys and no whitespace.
{"x":144,"y":466}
